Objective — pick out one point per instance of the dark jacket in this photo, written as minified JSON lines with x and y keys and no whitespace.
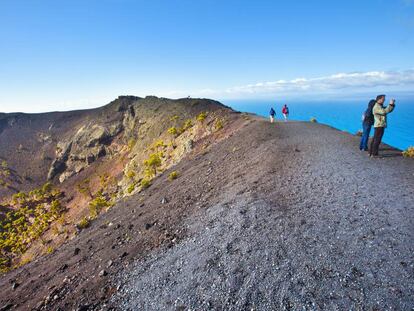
{"x":368,"y":114}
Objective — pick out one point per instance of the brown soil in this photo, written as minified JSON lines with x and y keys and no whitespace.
{"x":37,"y":137}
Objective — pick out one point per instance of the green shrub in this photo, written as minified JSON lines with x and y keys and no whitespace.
{"x":47,"y":187}
{"x":202,"y":116}
{"x":152,"y":163}
{"x":4,"y":264}
{"x":145,"y":183}
{"x":84,"y":223}
{"x":97,"y":204}
{"x":187,"y":124}
{"x":30,"y":217}
{"x":218,"y":125}
{"x":149,"y":173}
{"x":173,"y":175}
{"x":409,"y":152}
{"x":159,"y":144}
{"x":130,"y":174}
{"x":173,"y":131}
{"x":56,"y":208}
{"x":131,"y":188}
{"x":19,"y":197}
{"x":50,"y":250}
{"x":313,"y":120}
{"x":131,"y":143}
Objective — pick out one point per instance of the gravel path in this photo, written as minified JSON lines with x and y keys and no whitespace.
{"x":301,"y":220}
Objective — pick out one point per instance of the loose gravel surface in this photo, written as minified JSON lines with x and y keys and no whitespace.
{"x":300,"y":220}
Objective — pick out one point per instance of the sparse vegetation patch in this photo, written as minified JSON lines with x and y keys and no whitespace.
{"x":409,"y":152}
{"x":32,"y":214}
{"x":145,"y":183}
{"x":97,"y":204}
{"x":202,"y":116}
{"x":173,"y":175}
{"x":218,"y":125}
{"x":173,"y":131}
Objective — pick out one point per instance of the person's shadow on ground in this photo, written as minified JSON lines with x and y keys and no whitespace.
{"x":389,"y":152}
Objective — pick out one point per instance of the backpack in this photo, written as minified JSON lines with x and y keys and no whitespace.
{"x":368,"y":116}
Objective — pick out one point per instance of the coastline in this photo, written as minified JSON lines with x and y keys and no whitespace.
{"x":342,"y":115}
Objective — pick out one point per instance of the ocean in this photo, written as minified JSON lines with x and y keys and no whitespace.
{"x":343,"y":115}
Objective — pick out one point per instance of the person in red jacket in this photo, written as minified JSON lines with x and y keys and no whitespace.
{"x":285,"y":112}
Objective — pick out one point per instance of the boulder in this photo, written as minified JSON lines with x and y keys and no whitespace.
{"x":189,"y":145}
{"x":85,"y":147}
{"x":90,"y":142}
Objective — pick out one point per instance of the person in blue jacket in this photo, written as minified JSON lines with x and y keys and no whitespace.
{"x":367,"y":123}
{"x":272,"y":115}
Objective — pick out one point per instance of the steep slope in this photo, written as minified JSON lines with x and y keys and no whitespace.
{"x":285,"y":216}
{"x":45,"y":138}
{"x":90,"y":159}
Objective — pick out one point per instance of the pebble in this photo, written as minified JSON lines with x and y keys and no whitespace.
{"x":15,"y":285}
{"x":102,"y":273}
{"x":124,"y":254}
{"x":6,"y":307}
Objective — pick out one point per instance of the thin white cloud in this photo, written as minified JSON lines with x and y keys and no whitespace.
{"x":340,"y":82}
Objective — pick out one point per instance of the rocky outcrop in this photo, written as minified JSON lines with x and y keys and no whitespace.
{"x":59,"y":164}
{"x":91,"y":142}
{"x":129,"y":121}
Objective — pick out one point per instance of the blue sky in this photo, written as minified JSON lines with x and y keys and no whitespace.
{"x":59,"y":55}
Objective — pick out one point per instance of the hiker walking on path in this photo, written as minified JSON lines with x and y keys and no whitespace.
{"x":272,"y":115}
{"x":367,"y":123}
{"x":285,"y":112}
{"x":380,"y":122}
